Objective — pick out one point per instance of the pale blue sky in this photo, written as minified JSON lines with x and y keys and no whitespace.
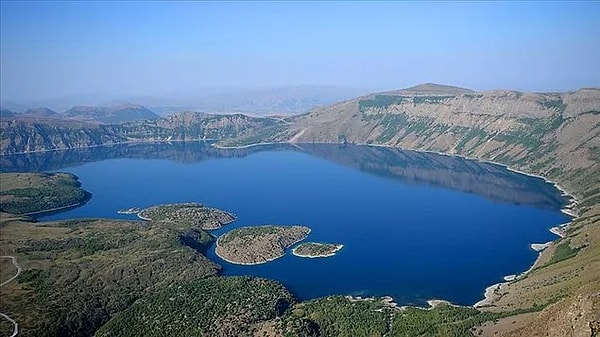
{"x":52,"y":49}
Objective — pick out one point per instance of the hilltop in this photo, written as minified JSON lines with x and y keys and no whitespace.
{"x":114,"y":114}
{"x":432,"y":89}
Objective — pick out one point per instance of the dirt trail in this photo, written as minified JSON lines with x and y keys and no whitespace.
{"x":14,"y":262}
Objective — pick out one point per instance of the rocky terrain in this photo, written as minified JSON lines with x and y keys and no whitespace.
{"x":188,"y":214}
{"x":258,"y":244}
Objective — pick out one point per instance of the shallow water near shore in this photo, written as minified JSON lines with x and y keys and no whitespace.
{"x":414,"y":226}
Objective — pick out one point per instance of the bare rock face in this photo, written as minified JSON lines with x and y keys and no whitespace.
{"x":577,"y":317}
{"x":258,"y":244}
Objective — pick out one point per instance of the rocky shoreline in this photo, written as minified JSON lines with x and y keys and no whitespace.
{"x":330,"y":250}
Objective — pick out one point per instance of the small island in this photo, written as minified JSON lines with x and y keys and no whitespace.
{"x":258,"y":244}
{"x":132,"y":210}
{"x":316,"y":249}
{"x":188,"y":215}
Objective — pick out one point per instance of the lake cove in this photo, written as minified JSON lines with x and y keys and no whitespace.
{"x":414,"y":226}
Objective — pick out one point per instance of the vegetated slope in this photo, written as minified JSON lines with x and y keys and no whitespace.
{"x":338,"y":316}
{"x":37,"y":192}
{"x":114,"y":114}
{"x":214,"y":306}
{"x":79,"y":273}
{"x":18,"y":136}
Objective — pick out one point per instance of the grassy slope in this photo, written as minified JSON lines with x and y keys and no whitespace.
{"x":36,"y":192}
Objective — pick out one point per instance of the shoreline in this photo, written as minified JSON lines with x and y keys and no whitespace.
{"x":568,"y":209}
{"x":56,"y":208}
{"x":234,"y":147}
{"x":333,"y":253}
{"x":165,"y":141}
{"x":489,"y":293}
{"x":389,"y":301}
{"x":142,"y":217}
{"x":260,"y":262}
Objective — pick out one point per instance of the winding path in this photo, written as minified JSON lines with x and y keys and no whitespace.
{"x":14,"y":262}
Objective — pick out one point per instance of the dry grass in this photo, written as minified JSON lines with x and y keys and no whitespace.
{"x":11,"y":181}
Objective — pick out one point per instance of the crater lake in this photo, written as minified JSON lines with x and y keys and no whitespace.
{"x":415,"y":226}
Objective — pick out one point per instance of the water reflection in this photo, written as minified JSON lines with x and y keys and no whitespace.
{"x":489,"y":180}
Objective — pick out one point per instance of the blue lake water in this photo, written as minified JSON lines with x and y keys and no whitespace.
{"x":414,"y":226}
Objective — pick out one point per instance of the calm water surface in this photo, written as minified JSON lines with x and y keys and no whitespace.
{"x":414,"y":226}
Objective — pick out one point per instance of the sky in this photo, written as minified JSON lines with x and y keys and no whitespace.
{"x":54,"y":49}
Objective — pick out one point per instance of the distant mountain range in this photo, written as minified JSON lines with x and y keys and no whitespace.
{"x":115,"y":114}
{"x":287,"y":100}
{"x":273,"y":101}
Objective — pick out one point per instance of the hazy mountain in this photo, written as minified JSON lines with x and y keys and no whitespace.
{"x":41,"y":113}
{"x":115,"y":114}
{"x":432,"y":89}
{"x":5,"y":113}
{"x":254,"y":101}
{"x":274,"y":101}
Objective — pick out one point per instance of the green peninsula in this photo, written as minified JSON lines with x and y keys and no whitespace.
{"x":316,"y":249}
{"x":188,"y":214}
{"x":258,"y":244}
{"x":31,"y":193}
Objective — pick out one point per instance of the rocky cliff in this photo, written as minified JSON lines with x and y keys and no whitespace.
{"x":31,"y":135}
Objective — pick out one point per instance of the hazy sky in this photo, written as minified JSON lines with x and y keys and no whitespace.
{"x":137,"y":48}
